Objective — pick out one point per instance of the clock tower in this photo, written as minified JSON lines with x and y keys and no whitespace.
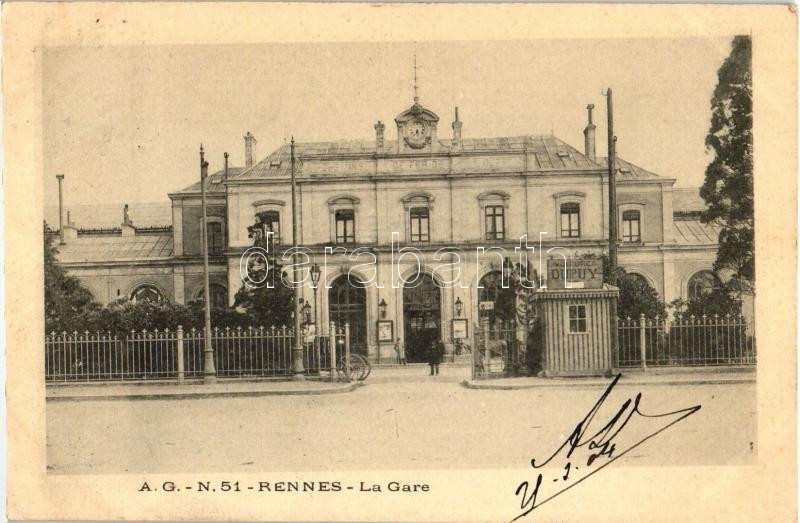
{"x":416,"y":130}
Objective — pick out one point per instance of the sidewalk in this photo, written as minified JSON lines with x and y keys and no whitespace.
{"x":418,"y":372}
{"x":631,"y":377}
{"x":193,"y":390}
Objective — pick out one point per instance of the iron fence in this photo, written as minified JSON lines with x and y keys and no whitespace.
{"x":685,"y":341}
{"x":252,"y":352}
{"x":497,"y":351}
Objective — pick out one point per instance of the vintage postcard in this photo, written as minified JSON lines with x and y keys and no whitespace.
{"x":305,"y":262}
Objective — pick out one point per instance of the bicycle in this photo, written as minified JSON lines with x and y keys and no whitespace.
{"x":360,"y":367}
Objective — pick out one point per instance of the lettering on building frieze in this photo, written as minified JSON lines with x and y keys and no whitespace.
{"x":338,"y":167}
{"x":413,"y":165}
{"x":488,"y":164}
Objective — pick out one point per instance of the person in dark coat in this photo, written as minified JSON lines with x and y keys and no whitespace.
{"x":435,"y":353}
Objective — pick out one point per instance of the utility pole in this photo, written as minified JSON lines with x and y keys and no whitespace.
{"x":209,"y":370}
{"x":60,"y":178}
{"x":612,"y":192}
{"x":297,"y":351}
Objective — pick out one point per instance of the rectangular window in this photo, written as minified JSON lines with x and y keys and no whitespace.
{"x":214,"y":236}
{"x":495,"y":222}
{"x":630,"y":226}
{"x":272,"y":223}
{"x":420,"y":225}
{"x":345,"y":226}
{"x":577,"y":318}
{"x":570,"y":220}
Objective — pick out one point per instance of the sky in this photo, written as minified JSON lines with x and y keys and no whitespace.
{"x":124,"y":124}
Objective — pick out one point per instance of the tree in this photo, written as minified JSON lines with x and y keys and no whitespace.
{"x":268,"y":306}
{"x":728,"y":186}
{"x":719,"y":301}
{"x":65,"y":298}
{"x":636,"y":295}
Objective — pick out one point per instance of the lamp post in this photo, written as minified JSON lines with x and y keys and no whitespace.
{"x":459,"y":307}
{"x":315,"y":275}
{"x":298,"y":369}
{"x":209,"y":370}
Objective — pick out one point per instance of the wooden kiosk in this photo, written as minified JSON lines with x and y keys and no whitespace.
{"x":579,"y":316}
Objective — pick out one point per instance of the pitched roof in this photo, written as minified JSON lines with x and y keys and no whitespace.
{"x":687,"y":200}
{"x":102,"y":248}
{"x":628,"y":170}
{"x":213,"y":182}
{"x":550,"y":153}
{"x":109,"y":215}
{"x":690,"y":231}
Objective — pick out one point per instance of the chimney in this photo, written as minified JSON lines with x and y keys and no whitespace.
{"x":60,"y":178}
{"x":457,"y":131}
{"x":127,"y":225}
{"x":225,"y":172}
{"x":379,"y":128}
{"x":249,"y":150}
{"x":70,"y":230}
{"x":588,"y":134}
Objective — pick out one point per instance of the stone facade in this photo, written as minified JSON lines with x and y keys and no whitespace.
{"x":464,"y":192}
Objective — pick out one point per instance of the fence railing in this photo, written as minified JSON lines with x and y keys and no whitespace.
{"x":685,"y":341}
{"x":252,"y":352}
{"x":496,"y":352}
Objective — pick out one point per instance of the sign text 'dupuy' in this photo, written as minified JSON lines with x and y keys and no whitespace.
{"x":581,"y":273}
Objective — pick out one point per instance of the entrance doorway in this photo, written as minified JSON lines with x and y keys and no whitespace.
{"x":347,"y":303}
{"x":422,"y":317}
{"x":495,"y":303}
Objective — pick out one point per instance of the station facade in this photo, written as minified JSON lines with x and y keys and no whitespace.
{"x":406,"y":188}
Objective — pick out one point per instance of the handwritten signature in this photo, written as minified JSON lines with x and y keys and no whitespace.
{"x":598,"y":450}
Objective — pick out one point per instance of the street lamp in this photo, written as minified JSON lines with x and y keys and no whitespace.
{"x":315,"y":275}
{"x":459,"y":307}
{"x":382,"y":306}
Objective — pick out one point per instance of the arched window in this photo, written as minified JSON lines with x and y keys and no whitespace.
{"x":219,"y":296}
{"x":347,"y":304}
{"x":638,"y":278}
{"x":702,"y":283}
{"x":422,"y":316}
{"x":146,"y":293}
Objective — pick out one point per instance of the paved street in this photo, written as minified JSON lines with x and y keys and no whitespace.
{"x":387,"y":424}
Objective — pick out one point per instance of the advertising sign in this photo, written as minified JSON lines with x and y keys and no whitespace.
{"x":581,"y":273}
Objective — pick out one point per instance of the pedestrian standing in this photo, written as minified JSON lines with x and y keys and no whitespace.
{"x":435,"y":353}
{"x":400,"y":349}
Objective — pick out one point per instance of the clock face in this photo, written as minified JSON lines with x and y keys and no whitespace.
{"x":416,"y":134}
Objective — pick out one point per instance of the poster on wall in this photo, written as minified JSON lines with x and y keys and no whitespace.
{"x":460,"y":329}
{"x":385,"y":330}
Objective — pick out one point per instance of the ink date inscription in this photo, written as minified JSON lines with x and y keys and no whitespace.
{"x":592,"y":446}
